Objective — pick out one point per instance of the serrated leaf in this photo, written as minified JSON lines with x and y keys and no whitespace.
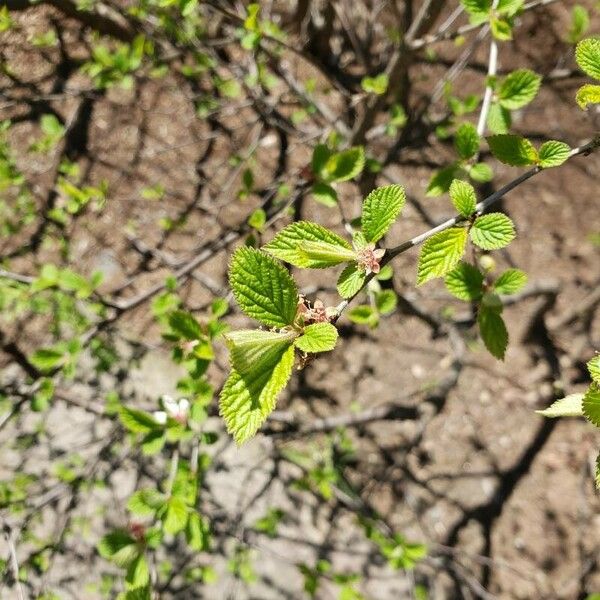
{"x":509,"y":7}
{"x":587,"y":55}
{"x":250,"y":348}
{"x":493,"y":331}
{"x":138,"y":574}
{"x":145,"y":502}
{"x":380,"y":209}
{"x":594,"y":369}
{"x":351,"y":281}
{"x":119,"y":547}
{"x":463,"y":197}
{"x":465,"y":282}
{"x":318,"y":337}
{"x":46,"y":359}
{"x":137,"y":421}
{"x":498,"y":119}
{"x":324,"y":194}
{"x":286,"y":245}
{"x":570,"y":406}
{"x":175,"y":516}
{"x":492,"y":231}
{"x":318,"y":255}
{"x":588,"y":94}
{"x":591,"y":404}
{"x":518,"y":89}
{"x":501,"y":29}
{"x":246,"y":402}
{"x":553,"y":153}
{"x":386,"y":301}
{"x":513,"y":150}
{"x":478,"y":10}
{"x":510,"y":282}
{"x":344,"y":165}
{"x":441,"y":253}
{"x":262,"y":287}
{"x":466,"y":141}
{"x":440,"y":181}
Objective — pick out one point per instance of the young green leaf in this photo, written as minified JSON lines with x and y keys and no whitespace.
{"x":386,"y":302}
{"x":513,"y":150}
{"x":553,"y":153}
{"x":184,"y":325}
{"x":175,"y":515}
{"x":375,"y":85}
{"x":510,"y":282}
{"x":138,"y":573}
{"x":588,"y":94}
{"x":351,"y":281}
{"x":594,"y":369}
{"x":580,"y":22}
{"x":137,"y":421}
{"x":318,"y":337}
{"x":465,"y":282}
{"x":344,"y":165}
{"x":287,"y":245}
{"x":478,"y":10}
{"x":119,"y":547}
{"x":480,"y":172}
{"x":263,"y":288}
{"x":320,"y":156}
{"x":501,"y":29}
{"x":250,"y":348}
{"x":246,"y":402}
{"x":440,"y":181}
{"x":324,"y":194}
{"x":519,"y":89}
{"x":197,"y":533}
{"x":317,"y":255}
{"x":364,"y":315}
{"x":145,"y":502}
{"x":493,"y":331}
{"x":466,"y":141}
{"x":463,"y":197}
{"x":441,"y":253}
{"x":380,"y":209}
{"x":587,"y":55}
{"x":591,"y":404}
{"x":492,"y":231}
{"x":498,"y":119}
{"x":570,"y":406}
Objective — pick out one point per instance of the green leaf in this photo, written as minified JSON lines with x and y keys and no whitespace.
{"x":509,"y":7}
{"x":184,"y":325}
{"x":466,"y":141}
{"x":465,"y":282}
{"x":481,"y":173}
{"x":519,"y":89}
{"x":386,"y":301}
{"x":501,"y":29}
{"x":570,"y":406}
{"x":492,"y":231}
{"x":137,"y":421}
{"x":262,"y":287}
{"x":287,"y":245}
{"x":364,"y":315}
{"x":175,"y":516}
{"x":510,"y":282}
{"x":498,"y":119}
{"x":513,"y":150}
{"x":351,"y":281}
{"x":46,"y":359}
{"x":594,"y":369}
{"x":478,"y":10}
{"x":441,"y":253}
{"x":440,"y":181}
{"x":119,"y":547}
{"x":553,"y":153}
{"x":138,"y":574}
{"x":320,"y":156}
{"x":493,"y":330}
{"x":580,"y":22}
{"x":463,"y":197}
{"x":380,"y":210}
{"x":246,"y":402}
{"x":591,"y":404}
{"x":375,"y":85}
{"x":318,"y":255}
{"x":249,"y":349}
{"x":258,"y":219}
{"x":345,"y":165}
{"x":324,"y":194}
{"x":587,"y":55}
{"x":588,"y":94}
{"x":197,"y":533}
{"x":318,"y":337}
{"x":145,"y":502}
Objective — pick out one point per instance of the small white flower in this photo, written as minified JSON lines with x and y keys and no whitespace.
{"x":160,"y":416}
{"x":176,"y":409}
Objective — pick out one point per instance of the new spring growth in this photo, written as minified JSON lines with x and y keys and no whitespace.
{"x":176,"y":409}
{"x":369,"y":257}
